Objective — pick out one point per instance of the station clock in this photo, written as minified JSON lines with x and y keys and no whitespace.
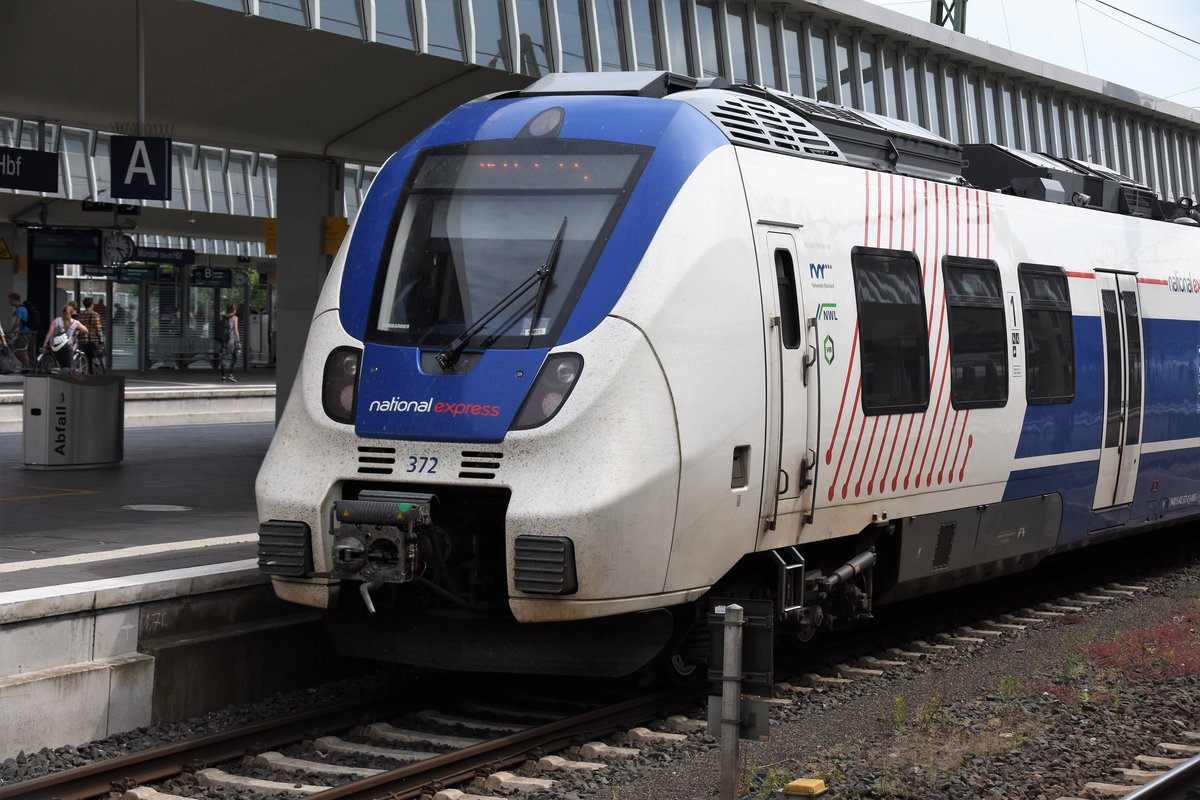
{"x":118,"y":247}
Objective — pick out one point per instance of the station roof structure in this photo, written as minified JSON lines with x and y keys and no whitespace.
{"x":236,"y":83}
{"x":217,"y":77}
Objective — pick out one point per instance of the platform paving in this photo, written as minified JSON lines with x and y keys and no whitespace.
{"x":209,"y":470}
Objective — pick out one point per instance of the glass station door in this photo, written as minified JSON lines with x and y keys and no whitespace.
{"x":124,"y":334}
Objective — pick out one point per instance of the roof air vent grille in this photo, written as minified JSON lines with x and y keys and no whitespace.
{"x":764,"y":125}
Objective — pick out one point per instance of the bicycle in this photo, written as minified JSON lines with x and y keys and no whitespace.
{"x":92,"y":365}
{"x":47,"y":363}
{"x":22,"y":344}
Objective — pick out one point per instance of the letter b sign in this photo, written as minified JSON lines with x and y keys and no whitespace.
{"x":141,"y":168}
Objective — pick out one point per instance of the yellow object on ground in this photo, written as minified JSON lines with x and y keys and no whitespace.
{"x":805,"y":787}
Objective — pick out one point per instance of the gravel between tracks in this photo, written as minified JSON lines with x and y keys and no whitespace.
{"x":1021,"y":717}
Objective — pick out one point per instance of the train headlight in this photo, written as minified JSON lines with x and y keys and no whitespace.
{"x":339,"y":384}
{"x":551,"y":388}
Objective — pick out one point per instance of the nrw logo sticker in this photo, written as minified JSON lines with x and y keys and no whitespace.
{"x":821,"y":274}
{"x":431,"y":406}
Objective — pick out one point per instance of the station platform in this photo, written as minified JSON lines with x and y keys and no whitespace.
{"x":182,"y":497}
{"x":127,"y":592}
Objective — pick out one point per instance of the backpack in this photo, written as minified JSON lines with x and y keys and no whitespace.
{"x":222,"y":332}
{"x":34,"y":322}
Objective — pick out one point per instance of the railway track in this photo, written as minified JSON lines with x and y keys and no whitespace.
{"x":95,"y":780}
{"x":1154,"y":777}
{"x":432,"y":751}
{"x":428,"y":756}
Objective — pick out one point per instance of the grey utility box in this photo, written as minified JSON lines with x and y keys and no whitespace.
{"x":74,"y":422}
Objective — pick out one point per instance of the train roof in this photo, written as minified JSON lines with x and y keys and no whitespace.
{"x":768,"y":119}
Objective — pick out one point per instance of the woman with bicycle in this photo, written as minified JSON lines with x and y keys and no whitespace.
{"x":60,"y":339}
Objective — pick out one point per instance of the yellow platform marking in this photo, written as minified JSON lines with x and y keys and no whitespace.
{"x":53,"y":492}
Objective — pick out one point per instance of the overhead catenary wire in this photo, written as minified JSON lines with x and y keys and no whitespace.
{"x":1185,"y":91}
{"x":1148,"y":22}
{"x":1007,"y":32}
{"x":1082,"y":39}
{"x":1143,"y":33}
{"x":1137,"y":30}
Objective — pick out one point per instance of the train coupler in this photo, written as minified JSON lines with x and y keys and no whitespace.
{"x":377,"y":535}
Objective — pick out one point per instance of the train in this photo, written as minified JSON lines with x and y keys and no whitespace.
{"x":603,"y":349}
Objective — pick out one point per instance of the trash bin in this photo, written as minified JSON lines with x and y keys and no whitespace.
{"x":74,"y":421}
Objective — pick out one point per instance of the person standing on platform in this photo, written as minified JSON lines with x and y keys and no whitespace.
{"x":21,"y":331}
{"x":93,"y":340}
{"x":60,"y":339}
{"x":231,"y":343}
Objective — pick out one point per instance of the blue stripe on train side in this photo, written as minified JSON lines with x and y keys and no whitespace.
{"x":1172,"y":379}
{"x":1170,"y":475}
{"x":1167,"y":479}
{"x":1075,"y":482}
{"x":1172,"y":391}
{"x":1172,"y":413}
{"x":1070,"y":427}
{"x":501,"y":378}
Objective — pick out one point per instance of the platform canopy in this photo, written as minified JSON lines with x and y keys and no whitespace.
{"x":214,"y":76}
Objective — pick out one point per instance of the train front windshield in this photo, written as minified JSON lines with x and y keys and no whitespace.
{"x":476,"y":223}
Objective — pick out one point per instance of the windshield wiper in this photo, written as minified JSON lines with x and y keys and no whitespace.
{"x":449,"y":355}
{"x":547,"y":278}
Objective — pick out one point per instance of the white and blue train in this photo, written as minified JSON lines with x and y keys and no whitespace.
{"x":598,"y":350}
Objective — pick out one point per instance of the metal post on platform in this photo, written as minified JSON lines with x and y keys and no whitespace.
{"x":731,"y":701}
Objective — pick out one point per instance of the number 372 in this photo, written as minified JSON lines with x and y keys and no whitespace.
{"x":423,"y":464}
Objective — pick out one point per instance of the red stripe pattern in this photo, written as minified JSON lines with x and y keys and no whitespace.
{"x":931,"y":448}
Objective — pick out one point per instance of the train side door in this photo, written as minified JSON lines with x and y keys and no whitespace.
{"x":1124,"y":376}
{"x":789,"y":357}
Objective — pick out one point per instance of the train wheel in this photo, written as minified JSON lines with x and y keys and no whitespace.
{"x":681,"y":668}
{"x":685,"y":660}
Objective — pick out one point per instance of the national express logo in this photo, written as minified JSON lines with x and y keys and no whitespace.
{"x":430,"y":406}
{"x":1184,"y":284}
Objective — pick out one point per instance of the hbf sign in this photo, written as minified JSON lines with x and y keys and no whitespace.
{"x":30,"y":170}
{"x":141,"y":167}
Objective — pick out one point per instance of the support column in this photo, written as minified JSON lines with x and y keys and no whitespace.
{"x":308,"y":191}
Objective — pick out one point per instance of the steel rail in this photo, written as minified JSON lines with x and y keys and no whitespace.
{"x":94,"y":780}
{"x":462,"y":765}
{"x":1178,"y":783}
{"x":159,"y":763}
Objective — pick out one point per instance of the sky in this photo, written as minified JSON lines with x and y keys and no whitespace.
{"x":1094,"y":37}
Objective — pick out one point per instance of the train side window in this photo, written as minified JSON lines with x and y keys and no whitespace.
{"x":978,"y":351}
{"x":789,"y":310}
{"x":893,"y":337}
{"x":1049,"y":337}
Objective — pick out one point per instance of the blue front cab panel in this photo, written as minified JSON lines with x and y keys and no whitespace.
{"x":391,"y":376}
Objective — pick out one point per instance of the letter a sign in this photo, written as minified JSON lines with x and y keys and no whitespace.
{"x":141,"y":168}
